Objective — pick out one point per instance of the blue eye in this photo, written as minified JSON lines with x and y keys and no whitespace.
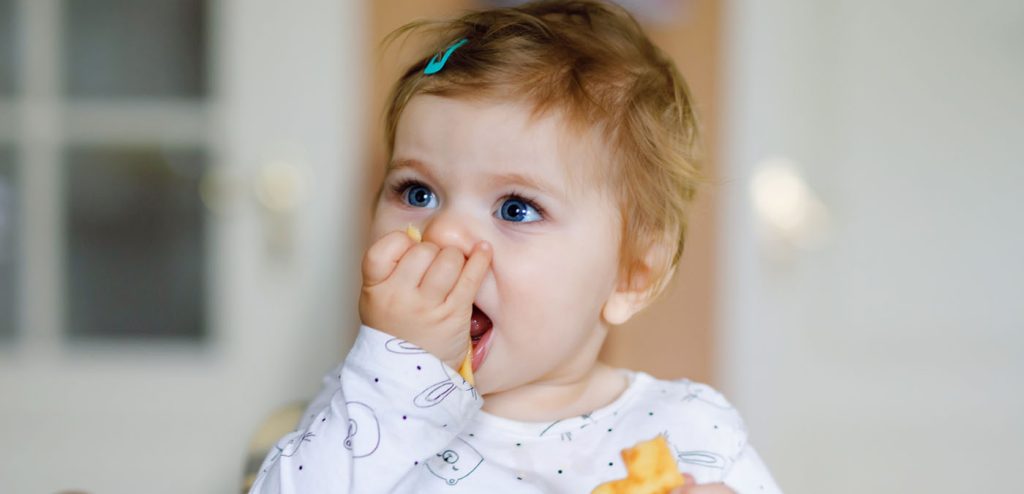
{"x":519,"y":210}
{"x":516,"y":208}
{"x":420,"y":197}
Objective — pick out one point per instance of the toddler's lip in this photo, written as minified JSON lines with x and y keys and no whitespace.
{"x":480,"y":349}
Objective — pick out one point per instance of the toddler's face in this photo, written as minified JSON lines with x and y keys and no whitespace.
{"x":555,"y":245}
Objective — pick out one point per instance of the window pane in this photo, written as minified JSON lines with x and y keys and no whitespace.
{"x":8,"y":243}
{"x":7,"y":49}
{"x":130,"y":48}
{"x":135,"y":244}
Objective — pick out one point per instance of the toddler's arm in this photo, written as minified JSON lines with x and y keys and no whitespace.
{"x":749,"y":474}
{"x":379,"y":417}
{"x":396,"y":401}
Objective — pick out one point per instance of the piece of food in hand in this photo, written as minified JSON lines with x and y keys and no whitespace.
{"x":413,"y":233}
{"x":650,"y":469}
{"x":466,"y":369}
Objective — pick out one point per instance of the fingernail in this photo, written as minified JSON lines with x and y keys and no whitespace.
{"x":485,"y":245}
{"x":689,"y":480}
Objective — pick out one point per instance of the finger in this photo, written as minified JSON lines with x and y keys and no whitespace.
{"x":717,"y":488}
{"x":442,"y":274}
{"x":382,"y":257}
{"x":411,"y":268}
{"x":688,"y":482}
{"x":472,"y":275}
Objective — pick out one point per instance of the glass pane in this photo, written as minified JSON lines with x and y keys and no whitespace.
{"x":7,"y":49}
{"x":135,"y":243}
{"x":8,"y":243}
{"x":132,"y":48}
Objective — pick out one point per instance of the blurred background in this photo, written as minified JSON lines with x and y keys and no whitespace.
{"x":184,"y":192}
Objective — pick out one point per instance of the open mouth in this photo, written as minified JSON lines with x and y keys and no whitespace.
{"x":479,"y":324}
{"x":480,"y":333}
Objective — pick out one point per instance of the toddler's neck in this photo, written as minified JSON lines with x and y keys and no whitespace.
{"x":540,"y":402}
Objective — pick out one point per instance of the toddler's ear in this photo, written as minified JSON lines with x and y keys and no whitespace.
{"x":633,"y":295}
{"x":620,"y":307}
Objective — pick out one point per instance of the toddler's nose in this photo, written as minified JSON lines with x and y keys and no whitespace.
{"x":447,"y":229}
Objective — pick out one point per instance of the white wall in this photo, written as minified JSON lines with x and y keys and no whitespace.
{"x":891,"y":358}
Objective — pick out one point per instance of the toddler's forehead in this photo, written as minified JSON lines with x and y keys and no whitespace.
{"x":586,"y":162}
{"x":502,"y":136}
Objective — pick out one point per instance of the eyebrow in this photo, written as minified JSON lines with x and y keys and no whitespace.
{"x":493,"y":178}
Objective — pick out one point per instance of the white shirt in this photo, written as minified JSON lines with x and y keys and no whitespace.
{"x":394,"y":418}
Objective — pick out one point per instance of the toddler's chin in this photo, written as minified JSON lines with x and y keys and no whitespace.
{"x":487,"y":381}
{"x":484,"y":385}
{"x":496,"y":380}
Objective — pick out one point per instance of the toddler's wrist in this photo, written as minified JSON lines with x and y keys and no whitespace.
{"x":453,"y":357}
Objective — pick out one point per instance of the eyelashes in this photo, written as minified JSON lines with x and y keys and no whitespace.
{"x":400,"y":188}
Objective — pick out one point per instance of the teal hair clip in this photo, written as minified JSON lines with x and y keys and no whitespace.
{"x":434,"y":65}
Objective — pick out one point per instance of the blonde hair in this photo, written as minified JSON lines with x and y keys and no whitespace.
{"x":592,"y":61}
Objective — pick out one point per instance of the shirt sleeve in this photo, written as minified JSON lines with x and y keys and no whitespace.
{"x":749,"y":475}
{"x":389,"y":407}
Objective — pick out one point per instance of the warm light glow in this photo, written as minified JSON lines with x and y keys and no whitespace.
{"x":786,"y":204}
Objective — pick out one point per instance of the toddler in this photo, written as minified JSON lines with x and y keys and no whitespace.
{"x":547,"y":154}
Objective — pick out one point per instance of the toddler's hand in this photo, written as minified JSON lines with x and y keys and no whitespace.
{"x":422,"y":293}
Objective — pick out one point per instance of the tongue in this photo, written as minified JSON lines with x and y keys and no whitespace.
{"x":479,"y":324}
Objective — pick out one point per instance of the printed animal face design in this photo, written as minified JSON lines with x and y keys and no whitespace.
{"x":363,"y":430}
{"x":456,"y":462}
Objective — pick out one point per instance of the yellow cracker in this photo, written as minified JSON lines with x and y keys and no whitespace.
{"x":650,"y":469}
{"x":413,"y":233}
